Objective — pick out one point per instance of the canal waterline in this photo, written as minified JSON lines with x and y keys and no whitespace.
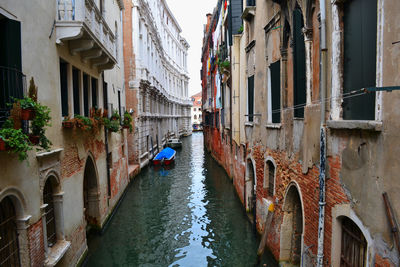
{"x":189,"y":215}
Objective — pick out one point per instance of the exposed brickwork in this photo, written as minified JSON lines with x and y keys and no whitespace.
{"x":382,"y":262}
{"x":36,"y":243}
{"x":288,"y":170}
{"x":119,"y":175}
{"x":78,"y":241}
{"x":71,"y":163}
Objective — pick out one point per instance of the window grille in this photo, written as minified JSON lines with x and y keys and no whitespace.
{"x":9,"y":249}
{"x":49,"y":213}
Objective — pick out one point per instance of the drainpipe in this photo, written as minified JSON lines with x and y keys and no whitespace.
{"x":322,"y":158}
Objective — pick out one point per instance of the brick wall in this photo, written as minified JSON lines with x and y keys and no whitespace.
{"x":36,"y":243}
{"x":288,"y":171}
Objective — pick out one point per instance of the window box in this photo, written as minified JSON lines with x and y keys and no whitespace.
{"x":67,"y":124}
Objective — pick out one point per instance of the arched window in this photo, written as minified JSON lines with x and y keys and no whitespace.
{"x":354,"y":245}
{"x":9,"y":248}
{"x":269,"y":177}
{"x":49,"y":212}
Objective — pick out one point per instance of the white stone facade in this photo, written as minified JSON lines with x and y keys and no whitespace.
{"x":160,"y":78}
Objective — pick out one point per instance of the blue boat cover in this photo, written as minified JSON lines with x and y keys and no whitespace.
{"x":166,"y":153}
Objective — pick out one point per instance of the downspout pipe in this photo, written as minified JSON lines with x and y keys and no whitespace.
{"x":322,"y":158}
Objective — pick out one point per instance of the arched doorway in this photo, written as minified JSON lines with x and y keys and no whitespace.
{"x":292,"y":227}
{"x":91,"y":195}
{"x":250,"y":191}
{"x":9,"y":246}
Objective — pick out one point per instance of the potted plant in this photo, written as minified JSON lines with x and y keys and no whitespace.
{"x":15,"y":142}
{"x":115,"y":116}
{"x":38,"y":126}
{"x":67,"y":122}
{"x":84,"y":123}
{"x":27,"y":108}
{"x":2,"y":144}
{"x":127,"y":122}
{"x":111,"y":125}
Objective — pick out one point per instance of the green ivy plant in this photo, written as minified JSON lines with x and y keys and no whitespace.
{"x":39,"y":124}
{"x":26,"y":103}
{"x":16,"y":141}
{"x":127,"y":122}
{"x":83,"y":122}
{"x":111,"y":125}
{"x":115,"y":115}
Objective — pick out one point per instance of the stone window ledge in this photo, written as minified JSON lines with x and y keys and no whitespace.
{"x":249,"y":124}
{"x":48,"y":153}
{"x":56,"y":252}
{"x":376,"y":126}
{"x":273,"y":126}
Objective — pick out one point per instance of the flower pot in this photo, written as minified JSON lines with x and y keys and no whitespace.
{"x":125,"y":126}
{"x":34,"y":139}
{"x":67,"y":124}
{"x":27,"y":114}
{"x":2,"y":145}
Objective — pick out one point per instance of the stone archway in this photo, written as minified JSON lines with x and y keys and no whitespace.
{"x":250,"y":190}
{"x":91,"y":195}
{"x":291,"y":227}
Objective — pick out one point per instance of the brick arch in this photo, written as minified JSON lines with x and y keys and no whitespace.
{"x":91,"y":192}
{"x":266,"y":173}
{"x":292,"y":227}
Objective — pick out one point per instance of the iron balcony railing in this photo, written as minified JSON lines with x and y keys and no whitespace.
{"x":12,"y":85}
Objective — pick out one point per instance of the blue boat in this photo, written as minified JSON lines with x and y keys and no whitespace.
{"x":165,"y":156}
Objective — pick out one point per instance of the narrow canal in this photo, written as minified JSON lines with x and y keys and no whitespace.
{"x":186,"y":216}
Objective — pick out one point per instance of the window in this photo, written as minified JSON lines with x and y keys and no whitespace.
{"x":270,"y":177}
{"x":250,"y":98}
{"x":299,"y":64}
{"x":12,"y":80}
{"x":274,"y":93}
{"x":9,"y":248}
{"x":359,"y":65}
{"x":94,"y":93}
{"x":64,"y":87}
{"x":354,"y":246}
{"x":86,"y":94}
{"x":76,"y":91}
{"x":49,"y":213}
{"x":195,"y":117}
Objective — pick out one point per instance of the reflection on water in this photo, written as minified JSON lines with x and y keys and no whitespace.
{"x":188,"y":215}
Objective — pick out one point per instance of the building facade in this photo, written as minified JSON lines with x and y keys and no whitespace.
{"x":156,"y":77}
{"x":313,"y":125}
{"x":73,"y":50}
{"x":196,"y":113}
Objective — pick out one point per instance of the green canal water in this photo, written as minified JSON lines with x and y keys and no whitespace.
{"x":186,"y":216}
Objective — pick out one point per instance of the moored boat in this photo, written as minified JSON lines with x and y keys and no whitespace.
{"x":174,"y":143}
{"x":165,"y":156}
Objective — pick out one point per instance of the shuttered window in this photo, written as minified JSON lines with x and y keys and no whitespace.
{"x":95,"y":103}
{"x":299,"y":64}
{"x":275,"y":69}
{"x":359,"y":66}
{"x":86,"y":94}
{"x":250,"y":97}
{"x":75,"y":84}
{"x":64,"y":87}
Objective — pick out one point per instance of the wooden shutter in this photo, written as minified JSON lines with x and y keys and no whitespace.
{"x":86,"y":95}
{"x":75,"y":85}
{"x":250,"y":97}
{"x":64,"y":88}
{"x":276,"y":91}
{"x":359,"y":64}
{"x":299,"y":64}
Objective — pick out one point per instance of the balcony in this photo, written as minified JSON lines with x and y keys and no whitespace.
{"x":12,"y":85}
{"x":81,"y":24}
{"x":250,"y":10}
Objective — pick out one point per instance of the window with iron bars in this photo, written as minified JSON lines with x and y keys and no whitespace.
{"x":9,"y":248}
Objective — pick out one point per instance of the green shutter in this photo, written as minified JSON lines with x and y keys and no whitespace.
{"x":276,"y":91}
{"x":299,"y":63}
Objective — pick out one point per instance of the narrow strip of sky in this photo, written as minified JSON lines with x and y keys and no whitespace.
{"x":191,"y":16}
